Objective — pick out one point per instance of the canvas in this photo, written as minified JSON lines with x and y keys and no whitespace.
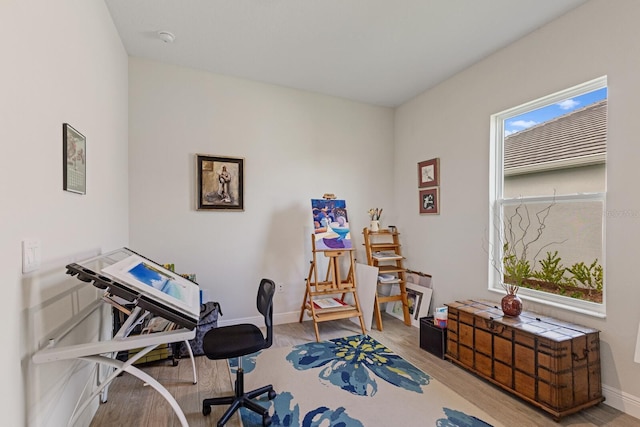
{"x":330,"y":224}
{"x":419,"y":299}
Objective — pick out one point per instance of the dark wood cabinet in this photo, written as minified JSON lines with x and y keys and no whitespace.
{"x":552,"y":364}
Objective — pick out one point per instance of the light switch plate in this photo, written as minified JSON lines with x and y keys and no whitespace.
{"x":31,"y":255}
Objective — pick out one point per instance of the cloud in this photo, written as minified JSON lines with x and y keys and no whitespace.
{"x":523,"y":124}
{"x":568,"y":104}
{"x":509,"y":132}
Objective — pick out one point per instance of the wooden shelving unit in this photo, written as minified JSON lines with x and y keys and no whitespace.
{"x":333,"y":287}
{"x":384,"y":251}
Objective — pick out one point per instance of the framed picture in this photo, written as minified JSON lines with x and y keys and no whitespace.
{"x":74,"y":160}
{"x":430,"y":201}
{"x":419,"y":299}
{"x":394,"y":308}
{"x":418,"y":278}
{"x":220,"y":182}
{"x":429,"y":173}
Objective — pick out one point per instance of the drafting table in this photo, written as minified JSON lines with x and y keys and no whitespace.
{"x":128,"y":275}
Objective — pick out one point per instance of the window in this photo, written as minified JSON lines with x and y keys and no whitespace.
{"x":548,"y":188}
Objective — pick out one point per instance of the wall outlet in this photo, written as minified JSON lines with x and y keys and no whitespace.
{"x":280,"y":288}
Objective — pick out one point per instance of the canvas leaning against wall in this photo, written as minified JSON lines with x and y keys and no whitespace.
{"x":418,"y":299}
{"x":330,"y":224}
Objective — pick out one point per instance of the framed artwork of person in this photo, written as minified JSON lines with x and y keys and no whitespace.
{"x":74,"y":160}
{"x":220,"y":183}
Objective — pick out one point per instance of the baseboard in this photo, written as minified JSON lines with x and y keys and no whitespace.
{"x":291,"y":317}
{"x":278,"y":319}
{"x":621,"y":401}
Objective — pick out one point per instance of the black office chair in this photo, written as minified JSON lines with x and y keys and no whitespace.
{"x":237,"y":341}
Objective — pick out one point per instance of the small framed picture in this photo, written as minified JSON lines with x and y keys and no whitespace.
{"x":429,"y":173}
{"x":220,"y":182}
{"x":430,"y":201}
{"x":74,"y":160}
{"x":418,"y":299}
{"x":394,"y":308}
{"x":418,"y":278}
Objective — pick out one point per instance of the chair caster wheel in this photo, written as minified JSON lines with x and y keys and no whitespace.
{"x":266,"y":420}
{"x":206,"y":410}
{"x":272,"y":394}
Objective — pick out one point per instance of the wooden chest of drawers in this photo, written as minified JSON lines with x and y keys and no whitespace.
{"x":552,"y":364}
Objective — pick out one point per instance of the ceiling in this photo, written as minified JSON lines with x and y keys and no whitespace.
{"x":381,"y":52}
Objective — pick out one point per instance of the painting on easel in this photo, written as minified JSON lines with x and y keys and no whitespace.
{"x":330,"y":224}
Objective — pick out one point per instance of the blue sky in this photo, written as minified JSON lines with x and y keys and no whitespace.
{"x":532,"y":118}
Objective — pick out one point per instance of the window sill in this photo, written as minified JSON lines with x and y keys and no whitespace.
{"x":558,"y":301}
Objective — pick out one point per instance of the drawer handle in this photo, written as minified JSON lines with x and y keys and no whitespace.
{"x":577,"y":358}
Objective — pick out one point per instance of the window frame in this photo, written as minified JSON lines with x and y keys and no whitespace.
{"x":496,"y":203}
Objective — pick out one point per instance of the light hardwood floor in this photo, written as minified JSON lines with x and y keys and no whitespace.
{"x":133,"y":404}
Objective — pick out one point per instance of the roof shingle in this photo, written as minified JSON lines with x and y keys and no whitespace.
{"x":579,"y":134}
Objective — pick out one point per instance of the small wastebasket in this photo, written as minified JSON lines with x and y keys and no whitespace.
{"x":432,"y":337}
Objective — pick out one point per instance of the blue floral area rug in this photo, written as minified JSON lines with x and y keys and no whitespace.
{"x":352,"y":382}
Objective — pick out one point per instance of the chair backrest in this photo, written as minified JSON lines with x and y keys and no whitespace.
{"x":265,"y":306}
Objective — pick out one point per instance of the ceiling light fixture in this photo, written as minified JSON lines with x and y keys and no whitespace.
{"x":166,"y":36}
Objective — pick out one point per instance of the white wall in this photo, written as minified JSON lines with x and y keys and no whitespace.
{"x":62,"y":62}
{"x":69,"y":66}
{"x":296,"y":145}
{"x":451,"y":121}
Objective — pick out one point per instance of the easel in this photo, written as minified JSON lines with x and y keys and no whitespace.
{"x":332,"y":285}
